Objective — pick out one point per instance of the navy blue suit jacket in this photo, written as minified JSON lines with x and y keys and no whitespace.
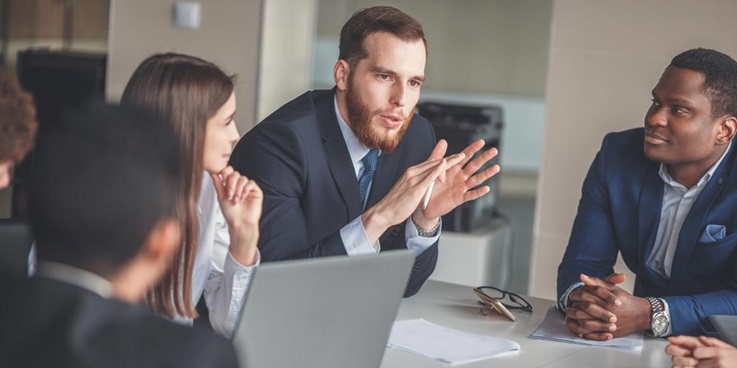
{"x":619,"y":211}
{"x":299,"y":158}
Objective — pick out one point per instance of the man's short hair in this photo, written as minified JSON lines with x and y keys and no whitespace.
{"x":720,"y":71}
{"x":376,"y":19}
{"x":17,"y":119}
{"x":102,"y":178}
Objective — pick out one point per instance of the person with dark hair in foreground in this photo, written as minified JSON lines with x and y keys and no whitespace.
{"x":102,"y":209}
{"x":17,"y":125}
{"x":344,"y":171}
{"x":665,"y":197}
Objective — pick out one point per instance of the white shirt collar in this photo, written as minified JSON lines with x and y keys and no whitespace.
{"x":75,"y":276}
{"x":355,"y":148}
{"x":663,"y":172}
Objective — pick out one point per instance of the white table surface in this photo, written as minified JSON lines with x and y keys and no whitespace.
{"x":455,"y":306}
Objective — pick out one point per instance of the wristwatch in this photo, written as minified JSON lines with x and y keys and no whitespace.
{"x":429,"y":233}
{"x":659,"y":320}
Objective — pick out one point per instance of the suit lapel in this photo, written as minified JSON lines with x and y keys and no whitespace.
{"x":651,"y":202}
{"x":336,"y":152}
{"x":694,"y":222}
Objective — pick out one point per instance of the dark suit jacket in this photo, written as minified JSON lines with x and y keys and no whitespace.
{"x":47,"y":323}
{"x":619,"y":211}
{"x":299,"y":158}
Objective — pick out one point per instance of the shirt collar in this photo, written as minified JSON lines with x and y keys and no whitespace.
{"x":75,"y":276}
{"x":663,"y":172}
{"x":355,"y":148}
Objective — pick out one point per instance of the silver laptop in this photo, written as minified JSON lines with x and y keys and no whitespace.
{"x":726,"y":326}
{"x":332,"y":312}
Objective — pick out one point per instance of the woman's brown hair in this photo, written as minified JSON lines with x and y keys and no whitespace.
{"x":185,"y":91}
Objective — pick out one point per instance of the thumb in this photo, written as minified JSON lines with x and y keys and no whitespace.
{"x":593,"y":281}
{"x":439,"y":151}
{"x":616,"y":278}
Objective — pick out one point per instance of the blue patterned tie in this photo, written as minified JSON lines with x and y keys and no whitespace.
{"x":369,"y":167}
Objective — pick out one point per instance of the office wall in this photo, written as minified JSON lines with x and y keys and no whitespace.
{"x":228,"y":36}
{"x":476,"y":46}
{"x":286,"y":52}
{"x":605,"y":58}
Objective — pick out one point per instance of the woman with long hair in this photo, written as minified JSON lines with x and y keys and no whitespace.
{"x":218,"y":208}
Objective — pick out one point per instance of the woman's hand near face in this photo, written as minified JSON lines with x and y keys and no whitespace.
{"x":241,"y":201}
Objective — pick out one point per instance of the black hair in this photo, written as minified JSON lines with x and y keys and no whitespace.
{"x":102,"y":178}
{"x":720,"y":72}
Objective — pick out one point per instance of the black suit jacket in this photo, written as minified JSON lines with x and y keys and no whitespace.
{"x":47,"y":323}
{"x":299,"y":158}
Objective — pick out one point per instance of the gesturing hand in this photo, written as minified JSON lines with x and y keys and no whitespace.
{"x":460,"y":179}
{"x":241,"y":201}
{"x":406,"y":194}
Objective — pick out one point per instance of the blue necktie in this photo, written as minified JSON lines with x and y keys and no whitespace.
{"x":369,"y":167}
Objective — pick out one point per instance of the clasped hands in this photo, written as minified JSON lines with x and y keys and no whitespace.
{"x":601,"y":310}
{"x":455,"y":177}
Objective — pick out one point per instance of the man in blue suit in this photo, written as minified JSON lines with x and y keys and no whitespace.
{"x":344,"y":171}
{"x":665,"y":197}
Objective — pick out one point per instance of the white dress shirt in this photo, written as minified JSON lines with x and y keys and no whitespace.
{"x":215,"y":272}
{"x":75,"y":276}
{"x":353,"y":234}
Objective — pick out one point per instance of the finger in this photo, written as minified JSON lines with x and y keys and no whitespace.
{"x":482,"y":176}
{"x":684,"y":362}
{"x":472,"y":149}
{"x":239,"y":193}
{"x":601,"y":289}
{"x":253,"y":191}
{"x":711,"y":341}
{"x":479,"y":161}
{"x":705,"y":352}
{"x":231,"y":184}
{"x":227,"y":171}
{"x":584,"y":311}
{"x":218,"y":183}
{"x":455,"y":159}
{"x":690,"y":342}
{"x":616,"y":278}
{"x":574,"y":327}
{"x":476,"y":193}
{"x":676,"y":350}
{"x":598,"y":336}
{"x":439,"y":151}
{"x":586,"y":295}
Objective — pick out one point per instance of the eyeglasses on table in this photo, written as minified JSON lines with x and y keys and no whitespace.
{"x":501,"y":301}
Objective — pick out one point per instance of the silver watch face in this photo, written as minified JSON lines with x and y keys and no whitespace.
{"x":660,"y":323}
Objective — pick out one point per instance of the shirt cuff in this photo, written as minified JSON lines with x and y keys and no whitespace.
{"x":563,"y":302}
{"x":239,"y":266}
{"x":666,"y":310}
{"x":416,"y":242}
{"x":355,"y":239}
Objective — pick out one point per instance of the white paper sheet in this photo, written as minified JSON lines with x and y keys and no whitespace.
{"x":554,"y":328}
{"x":445,"y":344}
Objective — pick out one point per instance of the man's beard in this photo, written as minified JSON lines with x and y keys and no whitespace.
{"x":360,"y":119}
